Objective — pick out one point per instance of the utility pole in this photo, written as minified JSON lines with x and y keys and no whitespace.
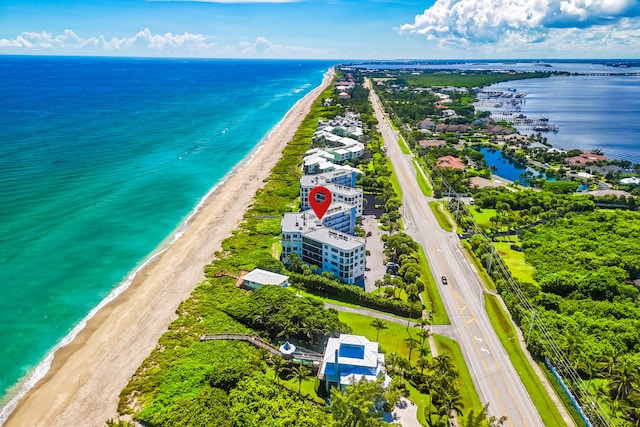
{"x":533,"y":317}
{"x":490,"y":259}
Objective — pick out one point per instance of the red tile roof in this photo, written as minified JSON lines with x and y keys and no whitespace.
{"x":450,"y":162}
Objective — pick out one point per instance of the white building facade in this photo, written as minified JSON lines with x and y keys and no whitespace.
{"x":330,"y":250}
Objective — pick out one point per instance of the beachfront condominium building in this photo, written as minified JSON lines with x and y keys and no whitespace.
{"x":330,"y":250}
{"x":341,"y":175}
{"x":349,"y":359}
{"x":330,"y":156}
{"x":340,"y":184}
{"x":348,"y":125}
{"x":340,"y":217}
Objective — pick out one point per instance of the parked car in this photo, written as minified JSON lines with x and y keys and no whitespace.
{"x":444,"y":280}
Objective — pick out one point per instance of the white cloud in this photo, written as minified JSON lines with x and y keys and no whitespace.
{"x":262,"y":47}
{"x":471,"y":23}
{"x":147,"y":43}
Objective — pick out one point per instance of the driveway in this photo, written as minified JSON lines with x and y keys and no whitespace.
{"x":405,"y":414}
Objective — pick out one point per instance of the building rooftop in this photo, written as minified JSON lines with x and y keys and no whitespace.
{"x":341,"y":189}
{"x":299,"y":221}
{"x":326,"y":177}
{"x":265,"y":277}
{"x":450,"y":162}
{"x":336,"y":238}
{"x":308,"y":220}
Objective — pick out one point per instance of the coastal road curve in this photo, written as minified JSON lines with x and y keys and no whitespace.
{"x":493,"y":374}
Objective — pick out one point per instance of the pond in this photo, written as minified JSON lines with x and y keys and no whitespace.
{"x":508,"y":168}
{"x":505,"y":166}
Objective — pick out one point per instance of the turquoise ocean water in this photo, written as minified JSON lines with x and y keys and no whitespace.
{"x":101,"y":161}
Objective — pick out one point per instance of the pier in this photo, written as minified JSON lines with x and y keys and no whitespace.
{"x":505,"y":106}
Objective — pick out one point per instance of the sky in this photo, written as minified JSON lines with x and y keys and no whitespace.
{"x":324,"y":29}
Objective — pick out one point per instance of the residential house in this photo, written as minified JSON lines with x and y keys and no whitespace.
{"x":349,"y":359}
{"x":426,"y":124}
{"x":432,"y":143}
{"x":258,"y":278}
{"x":585,"y":159}
{"x":450,"y":162}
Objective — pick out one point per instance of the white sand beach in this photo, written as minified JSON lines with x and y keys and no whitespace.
{"x":84,"y":381}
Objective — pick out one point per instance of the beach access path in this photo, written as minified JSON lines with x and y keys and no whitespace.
{"x":86,"y":377}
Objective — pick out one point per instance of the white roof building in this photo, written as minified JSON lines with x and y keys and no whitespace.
{"x":340,"y":217}
{"x":351,"y":358}
{"x":632,"y":180}
{"x":258,"y":278}
{"x":339,"y":194}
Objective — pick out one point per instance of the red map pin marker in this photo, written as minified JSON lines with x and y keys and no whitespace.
{"x":319,"y":199}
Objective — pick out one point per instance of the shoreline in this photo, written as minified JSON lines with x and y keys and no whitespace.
{"x":86,"y":372}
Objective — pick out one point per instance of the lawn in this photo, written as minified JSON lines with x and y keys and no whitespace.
{"x":394,"y":180}
{"x":481,"y":216}
{"x":391,"y":340}
{"x":506,"y":332}
{"x":515,"y":262}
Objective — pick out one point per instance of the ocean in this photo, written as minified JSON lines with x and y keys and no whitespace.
{"x":101,"y":162}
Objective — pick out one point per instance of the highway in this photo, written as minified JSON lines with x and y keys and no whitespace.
{"x":493,"y":374}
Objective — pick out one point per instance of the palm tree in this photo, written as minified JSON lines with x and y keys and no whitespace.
{"x":402,"y":364}
{"x":424,"y":335}
{"x":624,"y":380}
{"x":299,"y":372}
{"x":287,"y":328}
{"x":423,"y":362}
{"x":391,"y":360}
{"x":632,"y":414}
{"x":277,"y":363}
{"x":443,"y":365}
{"x":423,"y":322}
{"x":481,"y":419}
{"x":411,"y":343}
{"x":378,"y":325}
{"x":452,"y":402}
{"x":424,"y":351}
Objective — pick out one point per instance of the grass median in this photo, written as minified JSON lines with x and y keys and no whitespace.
{"x":444,"y":220}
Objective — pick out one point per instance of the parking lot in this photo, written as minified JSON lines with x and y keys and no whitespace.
{"x":375,"y":259}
